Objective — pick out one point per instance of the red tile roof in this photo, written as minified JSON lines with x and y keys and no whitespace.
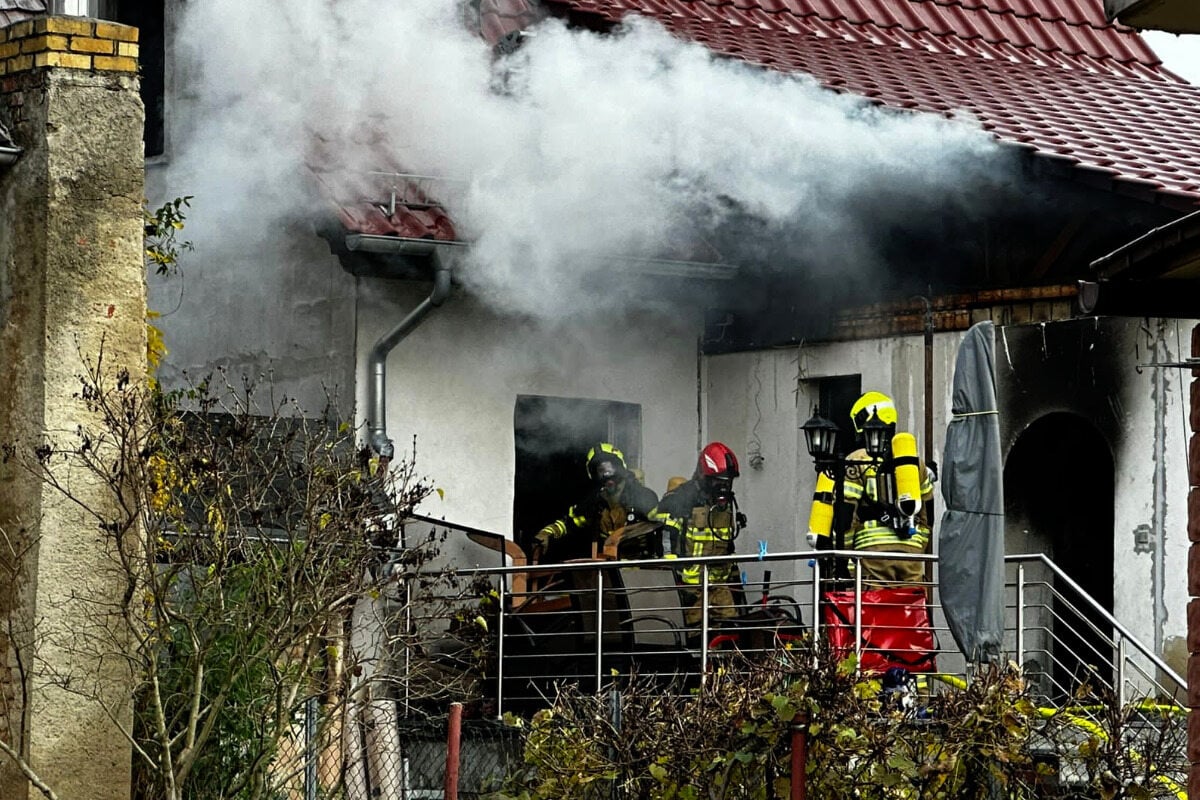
{"x":1050,"y":75}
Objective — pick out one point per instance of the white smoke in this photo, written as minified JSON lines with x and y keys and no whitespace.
{"x":629,"y":144}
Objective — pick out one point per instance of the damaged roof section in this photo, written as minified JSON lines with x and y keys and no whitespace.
{"x":17,"y":10}
{"x":1056,"y":78}
{"x":1086,"y":97}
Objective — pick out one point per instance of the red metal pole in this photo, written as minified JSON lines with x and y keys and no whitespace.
{"x":453,"y":738}
{"x":800,"y":757}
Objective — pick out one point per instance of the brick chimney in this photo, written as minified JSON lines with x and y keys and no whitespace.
{"x":71,"y":278}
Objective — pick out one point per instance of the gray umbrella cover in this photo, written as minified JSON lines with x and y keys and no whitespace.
{"x":971,"y":535}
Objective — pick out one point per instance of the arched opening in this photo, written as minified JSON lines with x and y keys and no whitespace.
{"x":1058,"y":500}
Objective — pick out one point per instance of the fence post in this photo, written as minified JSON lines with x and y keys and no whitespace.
{"x":310,"y":749}
{"x":800,"y":756}
{"x":453,"y":738}
{"x":614,"y":711}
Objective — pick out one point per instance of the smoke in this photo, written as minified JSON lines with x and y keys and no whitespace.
{"x":574,"y":149}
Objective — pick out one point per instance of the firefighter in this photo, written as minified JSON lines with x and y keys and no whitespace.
{"x":616,"y":499}
{"x":891,"y":499}
{"x":702,"y":518}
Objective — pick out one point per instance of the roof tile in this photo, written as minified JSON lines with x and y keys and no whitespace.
{"x":1047,"y":75}
{"x":1053,"y":74}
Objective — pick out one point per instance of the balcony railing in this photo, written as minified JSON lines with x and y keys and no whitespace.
{"x":594,"y":622}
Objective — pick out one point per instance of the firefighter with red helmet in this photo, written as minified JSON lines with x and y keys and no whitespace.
{"x":616,"y":499}
{"x":702,"y":518}
{"x":891,"y":499}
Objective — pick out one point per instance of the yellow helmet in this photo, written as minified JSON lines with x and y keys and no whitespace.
{"x":604,"y":453}
{"x":876,"y":403}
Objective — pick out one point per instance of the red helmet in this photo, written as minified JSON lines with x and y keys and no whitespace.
{"x":717,"y":460}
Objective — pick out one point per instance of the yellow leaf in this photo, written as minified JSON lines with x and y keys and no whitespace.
{"x":441,"y":494}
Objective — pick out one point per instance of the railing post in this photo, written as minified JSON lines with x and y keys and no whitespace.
{"x":502,"y":600}
{"x":599,"y":625}
{"x":1021,"y":616}
{"x":1119,"y":672}
{"x":703,"y":623}
{"x":816,"y":597}
{"x":858,"y":615}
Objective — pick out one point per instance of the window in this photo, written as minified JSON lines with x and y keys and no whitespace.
{"x":553,"y":435}
{"x":148,"y":17}
{"x":835,"y":397}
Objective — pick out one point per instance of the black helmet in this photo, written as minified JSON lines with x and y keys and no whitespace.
{"x":605,"y":465}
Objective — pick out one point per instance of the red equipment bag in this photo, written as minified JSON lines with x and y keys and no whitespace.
{"x":895,"y":628}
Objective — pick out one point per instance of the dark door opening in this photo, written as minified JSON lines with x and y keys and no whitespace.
{"x":553,"y":435}
{"x":1058,"y":498}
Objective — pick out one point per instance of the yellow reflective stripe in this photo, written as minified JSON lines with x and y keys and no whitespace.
{"x":720,"y":573}
{"x":872,"y":536}
{"x":852,"y":491}
{"x":669,"y":521}
{"x":554,"y":529}
{"x":710,"y":534}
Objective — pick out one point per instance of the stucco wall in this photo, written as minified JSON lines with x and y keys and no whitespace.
{"x":1099,"y":371}
{"x":1088,"y":368}
{"x":760,"y":400}
{"x":454,"y":381}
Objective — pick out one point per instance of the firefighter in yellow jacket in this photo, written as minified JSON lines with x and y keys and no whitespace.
{"x":616,"y":500}
{"x":702,"y":518}
{"x":891,"y":499}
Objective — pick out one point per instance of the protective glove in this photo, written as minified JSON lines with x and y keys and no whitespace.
{"x":811,"y":538}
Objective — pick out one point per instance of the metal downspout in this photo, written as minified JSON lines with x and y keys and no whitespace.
{"x":377,"y":361}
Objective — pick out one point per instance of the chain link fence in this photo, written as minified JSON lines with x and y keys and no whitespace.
{"x":377,"y":755}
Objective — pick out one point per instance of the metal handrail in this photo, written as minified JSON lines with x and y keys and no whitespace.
{"x":1132,"y":659}
{"x":1104,"y":613}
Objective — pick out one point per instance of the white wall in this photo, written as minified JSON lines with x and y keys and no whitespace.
{"x":760,"y":400}
{"x":1155,"y":402}
{"x":453,"y":383}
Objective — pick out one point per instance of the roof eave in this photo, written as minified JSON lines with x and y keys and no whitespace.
{"x":1171,"y":250}
{"x":1173,"y":16}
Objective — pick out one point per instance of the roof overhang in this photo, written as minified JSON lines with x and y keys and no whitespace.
{"x":1155,"y":275}
{"x":1171,"y":251}
{"x":1173,"y":16}
{"x":381,"y":256}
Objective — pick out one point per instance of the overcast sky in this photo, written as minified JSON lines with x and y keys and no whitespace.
{"x":1181,"y":54}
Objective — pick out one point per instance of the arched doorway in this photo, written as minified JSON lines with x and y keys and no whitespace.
{"x":1058,"y":500}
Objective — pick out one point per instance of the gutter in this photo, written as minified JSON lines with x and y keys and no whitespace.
{"x":9,"y":155}
{"x":436,"y":250}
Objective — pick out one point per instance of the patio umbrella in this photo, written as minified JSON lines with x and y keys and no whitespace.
{"x":971,"y":535}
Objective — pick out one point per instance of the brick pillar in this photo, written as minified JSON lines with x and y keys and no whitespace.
{"x":71,"y":277}
{"x":1193,"y":611}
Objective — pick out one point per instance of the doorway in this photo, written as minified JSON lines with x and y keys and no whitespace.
{"x":553,"y":435}
{"x":1058,"y":500}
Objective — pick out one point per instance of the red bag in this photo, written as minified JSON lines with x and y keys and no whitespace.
{"x":895,"y":628}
